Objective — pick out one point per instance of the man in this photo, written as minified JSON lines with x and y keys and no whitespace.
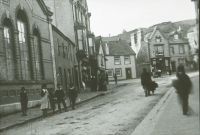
{"x":59,"y":94}
{"x":23,"y":101}
{"x":72,"y":96}
{"x":146,"y":81}
{"x":183,"y":87}
{"x":115,"y":77}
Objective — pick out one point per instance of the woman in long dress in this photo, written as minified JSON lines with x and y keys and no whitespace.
{"x":44,"y":100}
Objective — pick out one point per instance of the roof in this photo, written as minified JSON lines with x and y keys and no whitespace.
{"x":120,"y":48}
{"x":168,"y":29}
{"x":44,"y":8}
{"x":54,"y":28}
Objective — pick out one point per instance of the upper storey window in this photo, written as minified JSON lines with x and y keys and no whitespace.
{"x":158,"y":39}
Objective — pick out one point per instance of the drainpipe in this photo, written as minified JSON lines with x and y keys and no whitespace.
{"x":52,"y":53}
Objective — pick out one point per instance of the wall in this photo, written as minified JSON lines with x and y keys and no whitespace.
{"x":66,"y":59}
{"x":9,"y":90}
{"x":110,"y":65}
{"x":63,"y":16}
{"x":164,"y":42}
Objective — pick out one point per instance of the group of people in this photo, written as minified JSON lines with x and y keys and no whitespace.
{"x":50,"y":98}
{"x":182,"y":84}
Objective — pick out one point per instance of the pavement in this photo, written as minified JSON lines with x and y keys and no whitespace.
{"x":16,"y":119}
{"x":166,"y":117}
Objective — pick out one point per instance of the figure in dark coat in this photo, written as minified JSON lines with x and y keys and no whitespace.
{"x":115,"y":78}
{"x":183,"y":87}
{"x":72,"y":95}
{"x":23,"y":101}
{"x":52,"y":99}
{"x":60,"y":95}
{"x":146,"y":82}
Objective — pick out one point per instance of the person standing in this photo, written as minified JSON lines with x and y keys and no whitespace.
{"x":115,"y":78}
{"x":51,"y":99}
{"x":60,"y":96}
{"x":72,"y":96}
{"x":44,"y":100}
{"x":23,"y":101}
{"x":146,"y":81}
{"x":183,"y":86}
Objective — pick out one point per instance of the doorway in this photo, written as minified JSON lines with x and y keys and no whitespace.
{"x":128,"y":73}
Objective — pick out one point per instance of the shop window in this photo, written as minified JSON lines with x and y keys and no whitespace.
{"x":110,"y":72}
{"x":181,"y":60}
{"x":118,"y":71}
{"x":181,"y":49}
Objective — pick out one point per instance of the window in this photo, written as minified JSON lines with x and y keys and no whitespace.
{"x":176,"y":36}
{"x":118,"y":71}
{"x":23,"y":47}
{"x":60,"y":75}
{"x":8,"y":73}
{"x":172,"y":50}
{"x":181,"y":60}
{"x":117,"y":60}
{"x":110,"y":72}
{"x":127,"y":60}
{"x":159,"y":50}
{"x":58,"y":45}
{"x":38,"y":55}
{"x":80,"y":40}
{"x":158,"y":39}
{"x":181,"y":49}
{"x":63,"y":48}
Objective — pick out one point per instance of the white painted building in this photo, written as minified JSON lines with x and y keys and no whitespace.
{"x":120,"y":59}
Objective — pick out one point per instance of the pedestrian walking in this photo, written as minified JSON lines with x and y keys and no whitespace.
{"x":72,"y":96}
{"x":146,"y":81}
{"x":23,"y":101}
{"x":60,"y":97}
{"x":183,"y":86}
{"x":115,"y":78}
{"x":44,"y":100}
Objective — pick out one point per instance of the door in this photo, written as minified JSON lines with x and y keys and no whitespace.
{"x":128,"y":73}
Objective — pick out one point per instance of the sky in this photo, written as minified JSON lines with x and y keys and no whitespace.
{"x":111,"y":17}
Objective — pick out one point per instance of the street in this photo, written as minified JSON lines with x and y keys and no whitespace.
{"x":117,"y":113}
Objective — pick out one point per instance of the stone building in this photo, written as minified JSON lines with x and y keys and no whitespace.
{"x":120,"y":60}
{"x":62,"y":17}
{"x":85,"y":40}
{"x":25,"y":51}
{"x":65,"y":59}
{"x":168,"y":47}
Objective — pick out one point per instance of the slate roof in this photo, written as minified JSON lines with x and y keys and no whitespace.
{"x":168,"y":28}
{"x":120,"y":48}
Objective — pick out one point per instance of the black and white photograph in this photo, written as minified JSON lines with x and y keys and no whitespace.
{"x":99,"y":67}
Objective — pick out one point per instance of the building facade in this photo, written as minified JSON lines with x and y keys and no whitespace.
{"x":168,"y":50}
{"x":120,"y":60}
{"x":25,"y":51}
{"x":62,"y":17}
{"x":65,"y":59}
{"x":85,"y":40}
